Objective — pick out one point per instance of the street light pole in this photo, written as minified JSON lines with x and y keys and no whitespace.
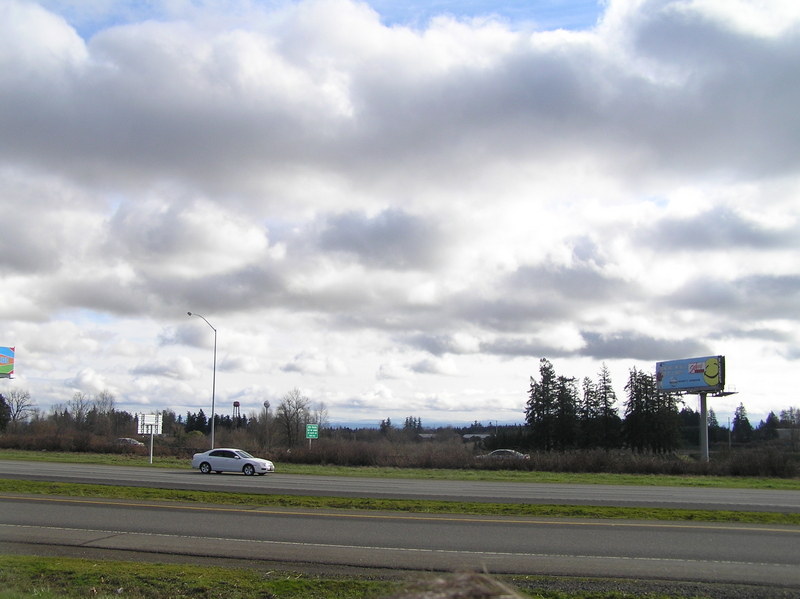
{"x":214,"y":375}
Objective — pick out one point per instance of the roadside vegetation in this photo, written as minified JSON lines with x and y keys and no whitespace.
{"x":22,"y":577}
{"x":406,"y":506}
{"x":567,"y":430}
{"x":67,"y":578}
{"x":140,"y":457}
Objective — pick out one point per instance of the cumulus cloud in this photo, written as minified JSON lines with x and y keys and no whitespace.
{"x":719,"y":228}
{"x":332,"y":191}
{"x":313,"y":362}
{"x":757,"y":297}
{"x":180,"y":367}
{"x":392,"y":239}
{"x":393,"y":370}
{"x":88,"y":381}
{"x":456,"y":343}
{"x":632,"y":345}
{"x":436,"y":366}
{"x":187,"y":334}
{"x":239,"y":363}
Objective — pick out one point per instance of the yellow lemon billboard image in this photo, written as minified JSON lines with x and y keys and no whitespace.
{"x":711,"y":372}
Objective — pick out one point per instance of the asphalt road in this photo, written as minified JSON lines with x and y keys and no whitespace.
{"x":339,"y":486}
{"x":741,"y":554}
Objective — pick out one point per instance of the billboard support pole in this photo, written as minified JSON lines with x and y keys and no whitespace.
{"x":703,"y":427}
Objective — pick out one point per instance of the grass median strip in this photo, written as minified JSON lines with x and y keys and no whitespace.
{"x":396,"y":505}
{"x":488,"y":475}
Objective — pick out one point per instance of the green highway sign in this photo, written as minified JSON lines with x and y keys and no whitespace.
{"x":312,"y":431}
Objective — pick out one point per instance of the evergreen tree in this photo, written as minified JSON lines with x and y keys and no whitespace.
{"x":742,"y":429}
{"x":690,"y":426}
{"x":767,"y":430}
{"x":716,"y":433}
{"x":412,"y":424}
{"x":589,"y":416}
{"x":610,"y":422}
{"x":652,"y":421}
{"x":666,"y":421}
{"x":5,"y":413}
{"x":540,"y":409}
{"x":566,"y":413}
{"x":197,"y":422}
{"x":636,"y":411}
{"x":589,"y":406}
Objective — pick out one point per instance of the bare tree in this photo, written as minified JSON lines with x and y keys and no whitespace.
{"x":320,"y":415}
{"x":20,"y":407}
{"x":292,"y":415}
{"x":100,"y":415}
{"x":791,"y":419}
{"x":104,"y":402}
{"x":261,"y":425}
{"x":78,"y":407}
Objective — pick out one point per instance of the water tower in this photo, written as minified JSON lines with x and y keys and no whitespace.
{"x":237,"y":413}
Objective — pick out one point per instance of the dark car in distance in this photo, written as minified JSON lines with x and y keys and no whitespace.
{"x":504,"y":454}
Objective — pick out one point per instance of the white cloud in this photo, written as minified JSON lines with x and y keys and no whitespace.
{"x":180,"y":367}
{"x":313,"y":362}
{"x":88,"y":381}
{"x":35,"y":42}
{"x":240,"y":363}
{"x":392,"y":370}
{"x":335,"y":194}
{"x":747,"y":16}
{"x":446,"y":366}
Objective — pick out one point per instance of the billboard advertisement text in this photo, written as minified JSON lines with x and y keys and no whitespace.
{"x":695,"y":375}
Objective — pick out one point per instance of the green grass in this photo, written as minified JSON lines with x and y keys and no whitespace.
{"x":66,"y":578}
{"x":110,"y":459}
{"x":433,"y":473}
{"x":23,"y":577}
{"x":395,"y":505}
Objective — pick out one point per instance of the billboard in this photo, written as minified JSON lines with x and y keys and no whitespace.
{"x":695,"y":375}
{"x":149,"y":424}
{"x":6,"y":362}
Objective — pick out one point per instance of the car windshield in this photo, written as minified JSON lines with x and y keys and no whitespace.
{"x":243,"y":453}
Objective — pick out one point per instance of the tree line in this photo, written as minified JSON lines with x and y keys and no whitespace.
{"x":98,"y":415}
{"x":561,"y":415}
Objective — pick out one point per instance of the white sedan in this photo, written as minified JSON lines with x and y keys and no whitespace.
{"x":231,"y":460}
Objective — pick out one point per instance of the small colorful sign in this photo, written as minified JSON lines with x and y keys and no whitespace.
{"x":6,"y":362}
{"x":312,"y":431}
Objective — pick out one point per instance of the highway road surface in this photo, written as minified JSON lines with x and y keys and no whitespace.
{"x":703,"y":552}
{"x":343,"y":486}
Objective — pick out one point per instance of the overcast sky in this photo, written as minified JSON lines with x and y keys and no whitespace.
{"x":396,"y":207}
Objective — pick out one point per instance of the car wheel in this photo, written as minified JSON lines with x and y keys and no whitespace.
{"x":205,"y":468}
{"x":248,"y":470}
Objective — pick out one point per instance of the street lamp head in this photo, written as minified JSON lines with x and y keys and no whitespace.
{"x":214,"y":375}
